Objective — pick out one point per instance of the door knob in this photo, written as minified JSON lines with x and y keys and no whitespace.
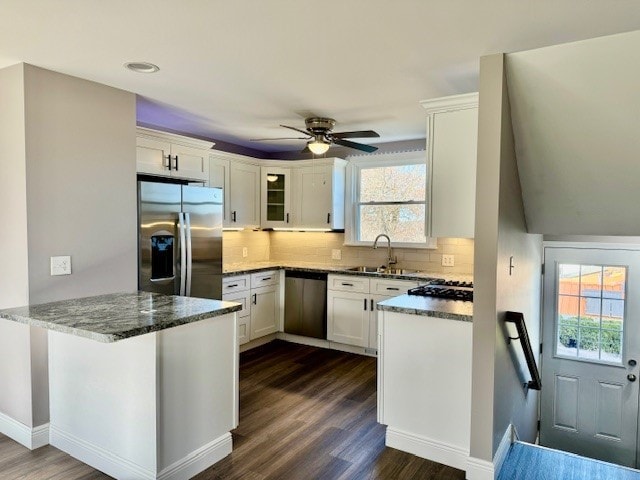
{"x":632,"y":363}
{"x":631,"y":377}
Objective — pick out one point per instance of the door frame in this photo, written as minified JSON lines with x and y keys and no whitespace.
{"x":580,"y":245}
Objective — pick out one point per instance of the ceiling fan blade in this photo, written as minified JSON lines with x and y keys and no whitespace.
{"x":356,"y":134}
{"x":305,"y":149}
{"x":297,"y":130}
{"x":357,"y":146}
{"x":277,"y":138}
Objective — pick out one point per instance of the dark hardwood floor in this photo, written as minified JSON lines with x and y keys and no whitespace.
{"x":305,"y":413}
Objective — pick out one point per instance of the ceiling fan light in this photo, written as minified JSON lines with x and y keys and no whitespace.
{"x":318,"y":147}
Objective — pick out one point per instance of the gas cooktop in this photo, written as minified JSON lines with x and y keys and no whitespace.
{"x":446,"y":289}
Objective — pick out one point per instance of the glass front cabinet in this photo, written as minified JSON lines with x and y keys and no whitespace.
{"x":276,"y":198}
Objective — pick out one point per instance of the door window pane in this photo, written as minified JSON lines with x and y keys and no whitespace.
{"x":590,"y":312}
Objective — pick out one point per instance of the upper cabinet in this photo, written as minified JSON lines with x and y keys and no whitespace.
{"x":168,"y":155}
{"x":452,"y":138}
{"x":240,"y":181}
{"x":244,"y":189}
{"x":276,"y":197}
{"x":318,"y":194}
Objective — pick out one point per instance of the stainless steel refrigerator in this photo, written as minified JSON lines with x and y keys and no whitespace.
{"x":180,"y":239}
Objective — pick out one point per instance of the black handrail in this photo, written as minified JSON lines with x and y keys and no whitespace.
{"x":518,"y":319}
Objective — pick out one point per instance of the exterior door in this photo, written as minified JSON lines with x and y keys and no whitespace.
{"x":589,"y":402}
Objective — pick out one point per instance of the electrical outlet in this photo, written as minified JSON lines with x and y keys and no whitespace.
{"x":61,"y":265}
{"x":447,"y":261}
{"x":245,"y":252}
{"x":336,"y":254}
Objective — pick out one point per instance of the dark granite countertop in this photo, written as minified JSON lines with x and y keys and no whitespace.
{"x":113,"y":317}
{"x":429,"y":306}
{"x":247,"y":268}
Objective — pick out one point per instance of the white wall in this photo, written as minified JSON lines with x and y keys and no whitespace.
{"x":575,"y":109}
{"x":498,"y":398}
{"x":69,"y":188}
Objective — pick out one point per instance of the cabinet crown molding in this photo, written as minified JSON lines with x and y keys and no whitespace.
{"x":452,"y":102}
{"x":173,"y":138}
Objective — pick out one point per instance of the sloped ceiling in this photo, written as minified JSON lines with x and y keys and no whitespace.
{"x":576,"y":120}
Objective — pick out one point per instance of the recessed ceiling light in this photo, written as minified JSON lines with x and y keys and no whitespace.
{"x":142,"y":67}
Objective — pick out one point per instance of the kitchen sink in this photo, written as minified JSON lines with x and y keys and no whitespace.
{"x":388,"y":271}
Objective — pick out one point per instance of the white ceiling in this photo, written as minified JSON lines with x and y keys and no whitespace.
{"x":234,"y":70}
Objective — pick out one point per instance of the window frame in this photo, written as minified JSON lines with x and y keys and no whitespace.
{"x":352,"y":195}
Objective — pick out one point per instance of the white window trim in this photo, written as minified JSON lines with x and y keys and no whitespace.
{"x":351,"y":195}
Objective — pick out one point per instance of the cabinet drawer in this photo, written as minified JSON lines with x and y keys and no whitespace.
{"x":348,"y":283}
{"x":264,"y":279}
{"x":242,"y":298}
{"x":235,"y":284}
{"x":384,"y":286}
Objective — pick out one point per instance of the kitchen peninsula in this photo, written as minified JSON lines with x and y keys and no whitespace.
{"x":141,"y":385}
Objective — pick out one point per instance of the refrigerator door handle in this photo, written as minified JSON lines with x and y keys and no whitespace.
{"x":183,"y":254}
{"x":187,"y":218}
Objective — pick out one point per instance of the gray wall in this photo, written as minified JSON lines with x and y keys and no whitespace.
{"x":78,"y":152}
{"x":15,"y":359}
{"x":498,"y":398}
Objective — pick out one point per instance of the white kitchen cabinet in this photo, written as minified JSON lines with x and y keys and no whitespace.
{"x":259,"y":294}
{"x":265,"y":307}
{"x":244,"y":195}
{"x":266,"y":303}
{"x":276,"y":197}
{"x":348,"y":318}
{"x":352,"y":307}
{"x":237,"y":289}
{"x":452,"y":138}
{"x":219,"y":176}
{"x":318,"y":194}
{"x":168,"y":155}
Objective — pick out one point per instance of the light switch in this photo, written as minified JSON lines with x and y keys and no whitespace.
{"x":336,"y":254}
{"x":61,"y":265}
{"x":447,"y":261}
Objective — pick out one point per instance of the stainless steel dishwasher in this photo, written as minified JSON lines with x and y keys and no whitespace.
{"x":305,"y":304}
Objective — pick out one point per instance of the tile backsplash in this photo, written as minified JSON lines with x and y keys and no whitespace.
{"x":316,"y":247}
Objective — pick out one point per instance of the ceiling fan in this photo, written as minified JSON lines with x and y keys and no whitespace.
{"x":319,"y":136}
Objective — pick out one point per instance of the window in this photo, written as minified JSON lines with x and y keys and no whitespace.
{"x":590,"y":312}
{"x":388,"y":195}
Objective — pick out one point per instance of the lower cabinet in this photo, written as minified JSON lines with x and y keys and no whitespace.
{"x":259,"y":295}
{"x":352,"y":307}
{"x":264,"y":311}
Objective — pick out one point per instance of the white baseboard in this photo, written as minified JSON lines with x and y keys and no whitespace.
{"x":31,"y":438}
{"x":198,"y":460}
{"x":478,"y":469}
{"x":98,"y":457}
{"x":427,"y":448}
{"x":118,"y":467}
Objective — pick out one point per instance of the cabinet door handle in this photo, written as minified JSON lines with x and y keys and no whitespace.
{"x":168,"y":165}
{"x":231,"y":286}
{"x":328,"y":218}
{"x":372,"y":304}
{"x":255,"y":298}
{"x":347,"y":284}
{"x":393,"y":288}
{"x":287,"y":218}
{"x":233,"y":216}
{"x":265,"y":278}
{"x":365,"y":304}
{"x":176,"y":163}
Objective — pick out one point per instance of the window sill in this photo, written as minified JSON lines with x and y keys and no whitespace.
{"x":431,"y":244}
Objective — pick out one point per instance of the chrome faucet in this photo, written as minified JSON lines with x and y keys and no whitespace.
{"x":390,"y":260}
